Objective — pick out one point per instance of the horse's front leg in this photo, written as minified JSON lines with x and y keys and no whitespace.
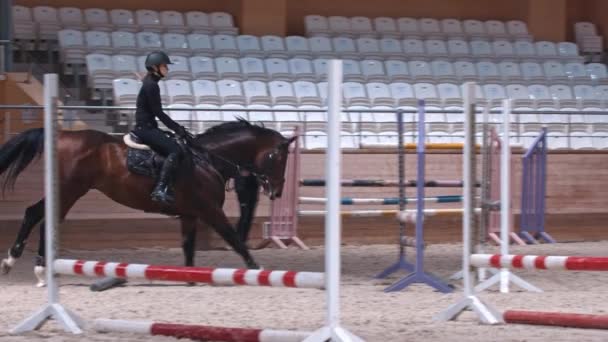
{"x":247,"y":191}
{"x":216,"y":218}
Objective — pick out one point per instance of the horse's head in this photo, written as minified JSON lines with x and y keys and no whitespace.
{"x":250,"y":149}
{"x":270,"y":166}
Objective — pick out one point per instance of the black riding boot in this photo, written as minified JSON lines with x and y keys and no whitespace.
{"x":163,"y":192}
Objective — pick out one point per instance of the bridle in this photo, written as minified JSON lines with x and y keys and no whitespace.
{"x":260,"y":176}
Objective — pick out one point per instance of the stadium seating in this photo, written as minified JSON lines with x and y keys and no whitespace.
{"x":389,"y":63}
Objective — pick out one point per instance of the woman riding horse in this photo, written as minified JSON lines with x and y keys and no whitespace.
{"x":149,"y":108}
{"x":91,"y":159}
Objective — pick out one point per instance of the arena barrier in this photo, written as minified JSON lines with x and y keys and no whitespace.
{"x":73,"y":324}
{"x":198,"y":332}
{"x":559,"y":319}
{"x":207,"y":275}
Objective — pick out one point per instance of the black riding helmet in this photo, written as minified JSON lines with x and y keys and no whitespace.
{"x":156,"y":58}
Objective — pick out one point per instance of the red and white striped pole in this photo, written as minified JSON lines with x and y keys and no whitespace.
{"x":216,"y":276}
{"x":557,"y":319}
{"x":535,"y":262}
{"x":199,"y":332}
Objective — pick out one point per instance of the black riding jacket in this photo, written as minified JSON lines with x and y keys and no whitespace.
{"x":149,"y":106}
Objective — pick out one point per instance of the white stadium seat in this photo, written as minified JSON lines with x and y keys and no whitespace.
{"x":222,"y":23}
{"x":173,"y":22}
{"x":198,"y":22}
{"x":316,"y":26}
{"x":148,"y":20}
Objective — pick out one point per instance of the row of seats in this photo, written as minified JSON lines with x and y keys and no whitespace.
{"x":43,"y":22}
{"x":303,"y":93}
{"x":381,"y":132}
{"x":102,"y":67}
{"x":317,"y":25}
{"x":315,"y":47}
{"x":376,"y":119}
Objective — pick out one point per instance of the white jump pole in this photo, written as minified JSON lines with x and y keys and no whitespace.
{"x":53,"y":309}
{"x":505,"y":276}
{"x":332,"y":330}
{"x":470,"y":301}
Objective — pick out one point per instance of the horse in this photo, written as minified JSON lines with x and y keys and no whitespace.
{"x":88,"y":159}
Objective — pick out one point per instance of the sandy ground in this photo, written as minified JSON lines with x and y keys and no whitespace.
{"x":366,"y":309}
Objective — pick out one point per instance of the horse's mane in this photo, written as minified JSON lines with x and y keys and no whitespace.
{"x":213,"y":136}
{"x":233,"y":126}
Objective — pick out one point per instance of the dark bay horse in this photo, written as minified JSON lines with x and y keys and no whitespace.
{"x":95,"y":160}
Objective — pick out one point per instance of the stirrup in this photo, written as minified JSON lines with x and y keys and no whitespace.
{"x":163,"y":196}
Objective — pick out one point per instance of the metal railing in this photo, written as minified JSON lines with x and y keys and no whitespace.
{"x":119,"y":119}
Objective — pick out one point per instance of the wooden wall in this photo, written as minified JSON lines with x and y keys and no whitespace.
{"x":547,"y":19}
{"x":460,"y":9}
{"x":576,"y":205}
{"x":596,"y":11}
{"x":232,"y":6}
{"x":14,"y":90}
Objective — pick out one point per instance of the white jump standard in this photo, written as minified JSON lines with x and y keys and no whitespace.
{"x":53,"y":309}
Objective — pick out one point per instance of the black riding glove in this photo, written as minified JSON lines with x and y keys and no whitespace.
{"x":181,"y":132}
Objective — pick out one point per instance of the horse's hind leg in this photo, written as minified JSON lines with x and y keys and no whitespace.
{"x":216,"y":218}
{"x":69,"y":197}
{"x":188,"y":239}
{"x":33,"y":215}
{"x":39,"y":261}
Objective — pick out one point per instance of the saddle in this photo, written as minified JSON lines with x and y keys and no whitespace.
{"x":141,"y":159}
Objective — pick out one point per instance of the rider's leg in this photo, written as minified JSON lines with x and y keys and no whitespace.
{"x":158,"y":141}
{"x":163,"y":192}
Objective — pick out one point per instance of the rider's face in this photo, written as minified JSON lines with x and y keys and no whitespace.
{"x":163,"y":70}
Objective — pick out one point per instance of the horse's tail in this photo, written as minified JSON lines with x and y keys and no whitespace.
{"x":18,"y":153}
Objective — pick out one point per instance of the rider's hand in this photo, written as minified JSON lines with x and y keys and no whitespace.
{"x":181,"y":132}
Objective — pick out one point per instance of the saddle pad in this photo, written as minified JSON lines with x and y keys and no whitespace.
{"x":144,"y":162}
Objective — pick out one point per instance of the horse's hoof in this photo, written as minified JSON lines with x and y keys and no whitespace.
{"x":40,"y":273}
{"x":7,"y":265}
{"x":5,"y":268}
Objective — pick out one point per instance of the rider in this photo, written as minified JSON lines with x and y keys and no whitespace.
{"x":146,"y":128}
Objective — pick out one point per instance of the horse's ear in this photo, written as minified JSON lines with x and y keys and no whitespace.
{"x":290,"y":140}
